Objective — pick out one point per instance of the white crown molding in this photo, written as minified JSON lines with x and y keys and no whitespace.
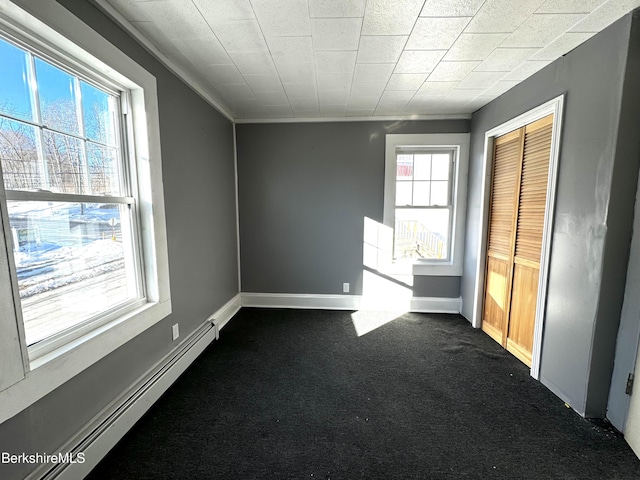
{"x":206,"y":93}
{"x":396,"y":118}
{"x":185,"y":76}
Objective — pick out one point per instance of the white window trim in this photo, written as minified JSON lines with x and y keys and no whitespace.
{"x":45,"y":22}
{"x":459,"y":141}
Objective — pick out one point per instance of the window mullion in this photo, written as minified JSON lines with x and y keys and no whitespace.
{"x":35,"y":99}
{"x":126,"y":171}
{"x":452,"y":168}
{"x":413,"y":177}
{"x":421,"y":207}
{"x":430,"y":179}
{"x":45,"y":196}
{"x":83,"y":134}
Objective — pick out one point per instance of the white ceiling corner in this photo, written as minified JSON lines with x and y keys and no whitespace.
{"x":274,"y":60}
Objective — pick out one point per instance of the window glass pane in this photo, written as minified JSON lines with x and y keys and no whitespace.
{"x":421,"y":193}
{"x":422,"y":167}
{"x":73,"y":262}
{"x":99,"y":114}
{"x":15,"y":97}
{"x":58,"y":102}
{"x":103,"y":170}
{"x":421,"y":233}
{"x":19,"y":155}
{"x":439,"y":193}
{"x":403,"y":193}
{"x":404,"y":167}
{"x":64,"y":158}
{"x":440,"y":167}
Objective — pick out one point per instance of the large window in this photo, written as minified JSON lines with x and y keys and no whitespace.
{"x":71,"y":206}
{"x":83,"y":249}
{"x":425,"y":188}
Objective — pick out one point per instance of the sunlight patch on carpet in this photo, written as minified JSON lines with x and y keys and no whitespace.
{"x":383,"y":301}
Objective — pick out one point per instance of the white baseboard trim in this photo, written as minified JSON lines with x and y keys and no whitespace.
{"x":348,"y":302}
{"x":102,"y":433}
{"x":304,"y":301}
{"x":436,"y":305}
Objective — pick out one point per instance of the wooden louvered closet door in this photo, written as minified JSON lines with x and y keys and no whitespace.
{"x":516,"y":221}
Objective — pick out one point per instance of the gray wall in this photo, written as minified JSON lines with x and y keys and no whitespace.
{"x":628,"y":335}
{"x":620,"y":213}
{"x":628,"y":152}
{"x":304,"y":192}
{"x":598,"y":168}
{"x":199,"y":189}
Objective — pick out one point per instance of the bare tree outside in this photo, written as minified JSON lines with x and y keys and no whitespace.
{"x":69,"y":256}
{"x":19,"y":154}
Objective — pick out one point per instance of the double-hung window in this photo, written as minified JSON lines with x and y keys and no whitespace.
{"x":425,"y":190}
{"x":83,"y":249}
{"x":423,"y":203}
{"x":70,"y":199}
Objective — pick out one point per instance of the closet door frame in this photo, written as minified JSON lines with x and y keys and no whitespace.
{"x":555,"y":107}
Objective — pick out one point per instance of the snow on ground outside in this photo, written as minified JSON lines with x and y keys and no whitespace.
{"x":71,"y":278}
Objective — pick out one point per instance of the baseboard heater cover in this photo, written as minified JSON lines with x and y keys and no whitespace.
{"x":102,"y":433}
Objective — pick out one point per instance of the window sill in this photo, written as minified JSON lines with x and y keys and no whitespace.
{"x":53,"y":369}
{"x":422,"y":268}
{"x":437,"y":269}
{"x":147,"y":314}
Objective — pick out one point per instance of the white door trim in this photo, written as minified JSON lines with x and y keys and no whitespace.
{"x":632,"y":420}
{"x":555,"y":107}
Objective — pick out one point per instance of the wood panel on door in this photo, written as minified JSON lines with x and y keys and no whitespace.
{"x":516,"y":227}
{"x":507,"y":154}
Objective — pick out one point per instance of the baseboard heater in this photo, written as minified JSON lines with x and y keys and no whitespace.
{"x":100,"y":435}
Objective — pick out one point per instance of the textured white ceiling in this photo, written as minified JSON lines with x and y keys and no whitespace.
{"x":301,"y":59}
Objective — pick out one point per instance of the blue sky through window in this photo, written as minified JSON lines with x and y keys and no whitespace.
{"x":79,"y":120}
{"x":58,"y":102}
{"x":15,"y":98}
{"x":57,"y":95}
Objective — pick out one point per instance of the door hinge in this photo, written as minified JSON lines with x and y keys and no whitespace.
{"x":629,"y":388}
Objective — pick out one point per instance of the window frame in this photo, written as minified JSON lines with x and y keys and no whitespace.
{"x":126,"y":171}
{"x":459,"y":143}
{"x":47,"y":26}
{"x":449,"y":206}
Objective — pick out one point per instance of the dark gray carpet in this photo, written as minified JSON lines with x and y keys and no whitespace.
{"x":289,"y":394}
